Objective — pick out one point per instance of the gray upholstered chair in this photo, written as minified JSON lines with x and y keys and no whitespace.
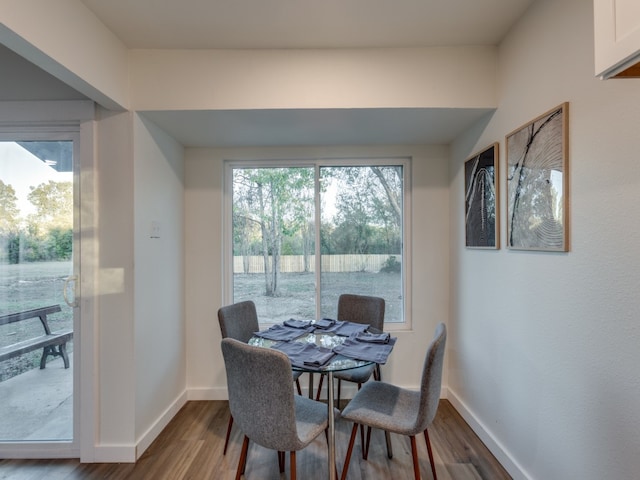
{"x":264,"y":405}
{"x":358,"y":309}
{"x":398,"y":410}
{"x":240,"y":321}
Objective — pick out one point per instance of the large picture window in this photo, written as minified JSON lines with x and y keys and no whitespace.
{"x":301,"y":234}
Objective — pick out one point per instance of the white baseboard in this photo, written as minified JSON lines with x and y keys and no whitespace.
{"x":218,"y":393}
{"x":495,"y":447}
{"x":152,"y":433}
{"x":114,"y":454}
{"x":130,"y":453}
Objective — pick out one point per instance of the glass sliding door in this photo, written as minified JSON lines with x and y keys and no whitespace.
{"x":37,"y":272}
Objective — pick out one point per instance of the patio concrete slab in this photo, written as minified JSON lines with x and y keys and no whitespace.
{"x":38,"y":405}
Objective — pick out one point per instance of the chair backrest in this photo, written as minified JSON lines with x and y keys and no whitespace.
{"x":239,"y":320}
{"x":431,"y":379}
{"x":260,"y":395}
{"x":362,"y":309}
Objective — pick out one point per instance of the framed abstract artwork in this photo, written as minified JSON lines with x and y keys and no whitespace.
{"x":481,"y":199}
{"x":538,"y":182}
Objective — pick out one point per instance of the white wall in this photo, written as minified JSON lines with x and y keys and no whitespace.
{"x":141,"y":326}
{"x":160,"y":360}
{"x":543,"y":347}
{"x":68,"y":41}
{"x":204,"y":258}
{"x":115,"y":430}
{"x":441,"y":77}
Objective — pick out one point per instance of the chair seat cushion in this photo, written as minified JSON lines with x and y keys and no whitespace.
{"x":385,"y":406}
{"x":357,"y":375}
{"x":311,"y":420}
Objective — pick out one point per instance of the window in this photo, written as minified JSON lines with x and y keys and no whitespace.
{"x":303,"y":233}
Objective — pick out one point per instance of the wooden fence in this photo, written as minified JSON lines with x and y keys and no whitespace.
{"x":330,"y":263}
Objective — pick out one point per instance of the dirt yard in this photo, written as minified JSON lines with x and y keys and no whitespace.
{"x":27,"y":286}
{"x":297,"y":291}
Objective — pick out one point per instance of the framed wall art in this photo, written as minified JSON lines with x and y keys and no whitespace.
{"x":537,"y":183}
{"x":481,"y":199}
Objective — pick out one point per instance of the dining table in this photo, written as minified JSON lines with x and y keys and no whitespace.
{"x":314,"y":349}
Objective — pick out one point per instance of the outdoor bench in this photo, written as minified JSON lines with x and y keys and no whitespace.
{"x":52,"y":343}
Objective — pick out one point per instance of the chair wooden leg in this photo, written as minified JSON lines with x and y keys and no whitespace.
{"x":365,"y":446}
{"x":433,"y":464}
{"x":365,"y":452}
{"x":281,"y":461}
{"x":339,"y":384}
{"x":387,"y":438}
{"x":226,"y":440}
{"x":414,"y":454}
{"x":293,"y":465}
{"x":298,"y":386}
{"x":347,"y":459}
{"x":242,"y":463}
{"x":319,"y":387}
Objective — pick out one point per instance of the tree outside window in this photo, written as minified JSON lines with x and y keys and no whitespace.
{"x":294,"y":261}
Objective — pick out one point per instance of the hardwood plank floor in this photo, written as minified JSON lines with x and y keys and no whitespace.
{"x":190,"y":447}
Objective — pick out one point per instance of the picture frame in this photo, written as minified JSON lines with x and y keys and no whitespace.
{"x":482,"y":199}
{"x":537,"y":180}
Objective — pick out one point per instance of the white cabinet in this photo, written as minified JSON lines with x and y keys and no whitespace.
{"x":617,"y":37}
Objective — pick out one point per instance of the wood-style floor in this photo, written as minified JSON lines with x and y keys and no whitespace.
{"x":190,"y":447}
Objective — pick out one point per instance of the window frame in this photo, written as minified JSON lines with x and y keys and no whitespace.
{"x":316,"y":164}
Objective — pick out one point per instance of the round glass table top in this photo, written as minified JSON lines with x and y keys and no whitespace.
{"x":321,"y":339}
